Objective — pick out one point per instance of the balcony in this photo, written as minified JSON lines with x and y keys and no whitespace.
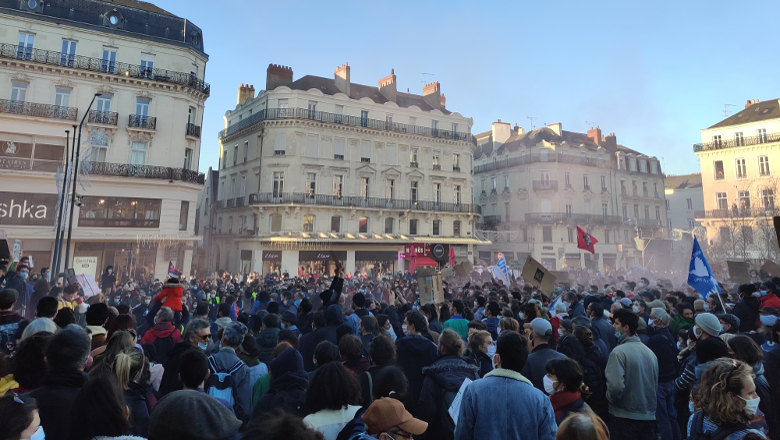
{"x":356,"y":121}
{"x":545,"y":185}
{"x":360,"y":202}
{"x":239,"y":202}
{"x":100,"y":117}
{"x":414,"y":165}
{"x":746,"y":213}
{"x":543,"y":158}
{"x":140,"y":121}
{"x":231,"y":203}
{"x":734,"y":143}
{"x":648,"y":222}
{"x":193,"y":130}
{"x":586,"y":188}
{"x":280,"y":152}
{"x":456,"y":169}
{"x":145,"y":172}
{"x":491,"y":219}
{"x":437,"y":167}
{"x":573,"y":219}
{"x":38,"y":110}
{"x":99,"y":65}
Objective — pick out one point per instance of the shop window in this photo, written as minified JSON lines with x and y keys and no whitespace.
{"x":105,"y":212}
{"x":363,"y":225}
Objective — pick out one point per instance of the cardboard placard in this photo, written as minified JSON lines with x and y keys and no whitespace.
{"x":738,"y":272}
{"x":538,"y":276}
{"x":88,"y":285}
{"x":771,"y":268}
{"x":464,"y":269}
{"x":429,"y":285}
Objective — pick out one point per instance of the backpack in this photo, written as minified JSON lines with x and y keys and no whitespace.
{"x":7,"y":339}
{"x":444,"y":414}
{"x":723,"y":431}
{"x":220,"y":383}
{"x":161,"y":348}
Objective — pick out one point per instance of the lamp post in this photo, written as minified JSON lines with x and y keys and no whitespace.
{"x":75,"y":174}
{"x":63,"y":198}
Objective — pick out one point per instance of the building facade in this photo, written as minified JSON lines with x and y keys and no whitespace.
{"x":536,"y":187}
{"x":140,"y":144}
{"x":323,"y":164}
{"x":737,"y":157}
{"x":684,"y":198}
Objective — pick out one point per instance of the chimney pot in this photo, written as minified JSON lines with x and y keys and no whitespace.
{"x":432,"y":94}
{"x":278,"y":75}
{"x":245,"y":93}
{"x":388,"y":87}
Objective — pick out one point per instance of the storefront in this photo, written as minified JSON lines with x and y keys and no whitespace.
{"x":374,"y":263}
{"x":426,"y":254}
{"x":592,"y":261}
{"x":130,"y":260}
{"x":610,"y":262}
{"x":272,"y":262}
{"x":320,"y":262}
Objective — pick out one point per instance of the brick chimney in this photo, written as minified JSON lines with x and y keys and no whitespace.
{"x":749,"y":102}
{"x":501,"y":132}
{"x":342,"y":78}
{"x":610,"y":141}
{"x":443,"y":101}
{"x":387,"y":86}
{"x":432,"y":94}
{"x":595,"y":134}
{"x":277,"y":75}
{"x":556,"y":128}
{"x":518,"y":129}
{"x":245,"y":92}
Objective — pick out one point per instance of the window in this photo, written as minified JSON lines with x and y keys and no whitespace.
{"x":390,"y":189}
{"x":604,"y":209}
{"x":747,"y":234}
{"x":235,"y":155}
{"x":389,"y":223}
{"x":363,"y":118}
{"x":606,"y":235}
{"x":120,"y":212}
{"x":18,"y":91}
{"x":644,"y":189}
{"x":725,"y":234}
{"x":25,"y":49}
{"x":434,"y":124}
{"x":338,"y":185}
{"x":413,"y":158}
{"x":654,"y":167}
{"x":335,"y":224}
{"x":435,"y":160}
{"x":219,"y":225}
{"x":545,"y":177}
{"x":242,"y":187}
{"x":456,"y":228}
{"x":632,"y":164}
{"x":547,"y":234}
{"x":623,"y":187}
{"x":721,"y":200}
{"x":308,"y":223}
{"x":741,"y":168}
{"x":655,"y":190}
{"x":625,"y":212}
{"x":717,"y":141}
{"x":99,"y":150}
{"x":689,"y":202}
{"x":643,"y":166}
{"x":412,"y":120}
{"x":768,"y":198}
{"x":365,"y":151}
{"x":647,"y":211}
{"x":585,"y":182}
{"x":761,"y":133}
{"x":494,"y":183}
{"x":311,"y":183}
{"x":744,"y":200}
{"x":275,"y":221}
{"x":364,"y":189}
{"x":603,"y":183}
{"x":363,"y":225}
{"x":570,"y":234}
{"x":142,"y":106}
{"x":568,"y":210}
{"x":282,"y":103}
{"x":719,"y":174}
{"x":658,"y":213}
{"x":455,"y":162}
{"x":457,"y":193}
{"x":233,"y":191}
{"x":312,"y":145}
{"x":636,"y":211}
{"x":691,"y":223}
{"x":506,"y":211}
{"x":68,"y":55}
{"x":338,"y":148}
{"x":224,"y":159}
{"x":280,"y":144}
{"x":184,"y":214}
{"x":437,"y":192}
{"x":668,"y":205}
{"x":437,"y":227}
{"x":108,"y":63}
{"x":389,"y":119}
{"x":506,"y":181}
{"x":61,"y":97}
{"x":391,"y":154}
{"x":246,"y":150}
{"x":312,"y":108}
{"x":413,"y":225}
{"x":454,"y":127}
{"x":739,"y":140}
{"x":278,"y":184}
{"x":103,"y":103}
{"x":413,"y":191}
{"x":763,"y":165}
{"x":147,"y":65}
{"x":138,"y":153}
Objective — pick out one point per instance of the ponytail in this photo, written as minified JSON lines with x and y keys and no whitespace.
{"x":122,"y":367}
{"x":129,"y":366}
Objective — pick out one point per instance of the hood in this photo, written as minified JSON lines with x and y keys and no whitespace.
{"x":177,"y":289}
{"x":288,"y":361}
{"x":163,"y":330}
{"x":333,"y":315}
{"x":223,"y":322}
{"x":136,"y":391}
{"x":268,"y":338}
{"x":448,"y":372}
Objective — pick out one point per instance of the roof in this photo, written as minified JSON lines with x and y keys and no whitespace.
{"x":357,"y":91}
{"x":760,"y":111}
{"x":144,"y":6}
{"x":683,"y":182}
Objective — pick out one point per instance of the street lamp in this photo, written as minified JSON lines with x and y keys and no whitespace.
{"x":75,"y":174}
{"x":63,"y":198}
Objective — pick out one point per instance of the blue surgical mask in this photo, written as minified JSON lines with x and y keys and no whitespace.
{"x":117,"y":300}
{"x":763,"y":293}
{"x":203,"y":346}
{"x":768,"y":320}
{"x":297,"y":303}
{"x":679,"y":346}
{"x":619,"y":336}
{"x":24,"y":275}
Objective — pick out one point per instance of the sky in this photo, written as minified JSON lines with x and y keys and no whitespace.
{"x":654,"y":73}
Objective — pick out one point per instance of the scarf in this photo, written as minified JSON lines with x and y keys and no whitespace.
{"x":561,"y":401}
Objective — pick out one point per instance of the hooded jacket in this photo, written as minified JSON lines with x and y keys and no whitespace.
{"x":446,"y":374}
{"x":172,"y":293}
{"x":288,"y":386}
{"x":161,"y":330}
{"x":535,"y":366}
{"x":414,"y":352}
{"x":170,"y":380}
{"x":267,"y":340}
{"x":333,"y":319}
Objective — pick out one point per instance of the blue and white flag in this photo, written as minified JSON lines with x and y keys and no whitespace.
{"x":700,"y":275}
{"x":500,"y":270}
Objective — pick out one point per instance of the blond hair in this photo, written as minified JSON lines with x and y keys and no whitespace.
{"x":129,"y":366}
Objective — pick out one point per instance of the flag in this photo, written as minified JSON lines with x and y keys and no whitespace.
{"x":585,"y":241}
{"x":700,"y":275}
{"x":452,"y":256}
{"x":551,"y":307}
{"x":172,"y":271}
{"x":500,"y":270}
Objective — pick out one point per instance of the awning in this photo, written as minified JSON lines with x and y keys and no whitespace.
{"x":426,"y":261}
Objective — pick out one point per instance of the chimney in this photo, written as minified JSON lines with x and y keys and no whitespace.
{"x":749,"y":103}
{"x":443,"y":101}
{"x":342,"y":78}
{"x":556,"y":128}
{"x":387,"y":86}
{"x":277,"y":75}
{"x":245,"y":93}
{"x":432,"y":94}
{"x":595,"y":134}
{"x":518,"y":129}
{"x":501,"y":132}
{"x":610,"y":141}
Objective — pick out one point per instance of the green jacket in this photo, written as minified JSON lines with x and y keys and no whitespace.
{"x":459,"y":326}
{"x":632,"y":379}
{"x":260,"y":388}
{"x":679,"y":323}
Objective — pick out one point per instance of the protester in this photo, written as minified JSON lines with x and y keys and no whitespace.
{"x":268,"y":337}
{"x":332,"y":400}
{"x":664,"y":347}
{"x":197,"y":334}
{"x":280,"y":425}
{"x":226,"y":362}
{"x":480,"y":342}
{"x":29,"y":365}
{"x":20,"y":418}
{"x":9,"y":321}
{"x":415,"y":352}
{"x":381,"y":354}
{"x":192,"y":415}
{"x":289,"y":382}
{"x":163,"y":336}
{"x":119,"y":341}
{"x":579,"y":426}
{"x":387,"y":419}
{"x":40,"y":326}
{"x":132,"y":369}
{"x":99,"y":411}
{"x":746,"y":350}
{"x":456,"y":322}
{"x":543,"y":352}
{"x":563,"y":383}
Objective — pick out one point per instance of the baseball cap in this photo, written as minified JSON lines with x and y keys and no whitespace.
{"x":541,"y":326}
{"x":387,"y":412}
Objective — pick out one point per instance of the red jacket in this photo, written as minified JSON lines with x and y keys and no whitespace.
{"x":161,"y":330}
{"x":173,"y":293}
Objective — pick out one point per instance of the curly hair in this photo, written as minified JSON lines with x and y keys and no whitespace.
{"x":332,"y":387}
{"x":724,"y":376}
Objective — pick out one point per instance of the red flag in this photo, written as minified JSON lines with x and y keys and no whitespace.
{"x":585,"y":241}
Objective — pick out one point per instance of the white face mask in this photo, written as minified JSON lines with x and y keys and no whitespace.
{"x":406,"y":332}
{"x":635,"y":309}
{"x":706,"y":307}
{"x":751,"y":406}
{"x":522,"y":316}
{"x":495,"y":364}
{"x":560,"y":333}
{"x":549,"y":385}
{"x":38,"y":434}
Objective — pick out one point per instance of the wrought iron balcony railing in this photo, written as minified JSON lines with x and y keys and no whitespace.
{"x":534,"y":158}
{"x":193,"y":130}
{"x":414,"y":164}
{"x":493,"y":219}
{"x":101,"y":117}
{"x":231,"y":203}
{"x":738,"y":142}
{"x":146,"y":172}
{"x":574,"y":219}
{"x":99,"y":65}
{"x":140,"y":121}
{"x":739,"y":213}
{"x":360,"y":202}
{"x":648,"y":222}
{"x":302,"y":113}
{"x":541,"y":185}
{"x":437,"y":167}
{"x":38,"y":110}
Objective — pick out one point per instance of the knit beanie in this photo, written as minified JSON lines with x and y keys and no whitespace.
{"x":709,"y":324}
{"x":191,"y":415}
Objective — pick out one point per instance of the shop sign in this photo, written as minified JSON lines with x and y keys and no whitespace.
{"x":85,"y":265}
{"x":420,"y":248}
{"x":320,"y":255}
{"x":272,"y":256}
{"x":439,"y":251}
{"x":27,"y":209}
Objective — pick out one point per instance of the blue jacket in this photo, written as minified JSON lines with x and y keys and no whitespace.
{"x":606,"y":331}
{"x":505,"y":405}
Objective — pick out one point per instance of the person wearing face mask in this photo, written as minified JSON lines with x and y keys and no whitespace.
{"x":478,"y":352}
{"x":725,"y":402}
{"x":16,"y":279}
{"x":573,"y":304}
{"x":107,"y":280}
{"x":746,"y":350}
{"x":663,"y":345}
{"x":197,"y":334}
{"x":747,"y":307}
{"x":414,"y":352}
{"x":768,"y":298}
{"x":534,"y":369}
{"x":563,"y":382}
{"x":21,"y":418}
{"x":632,"y":381}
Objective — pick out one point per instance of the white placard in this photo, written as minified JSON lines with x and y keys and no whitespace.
{"x":85,"y":265}
{"x":455,"y":407}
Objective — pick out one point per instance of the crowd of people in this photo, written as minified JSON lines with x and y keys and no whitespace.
{"x":340,"y":358}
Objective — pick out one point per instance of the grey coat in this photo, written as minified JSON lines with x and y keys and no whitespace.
{"x":632,"y":380}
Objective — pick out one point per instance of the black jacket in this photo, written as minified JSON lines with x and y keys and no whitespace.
{"x":333,"y":319}
{"x":535,"y":366}
{"x":366,"y":384}
{"x":593,"y":376}
{"x":435,"y":326}
{"x":481,"y":360}
{"x":267,"y":340}
{"x":288,"y":393}
{"x":664,"y":346}
{"x":170,"y":381}
{"x":747,"y":312}
{"x":446,"y":374}
{"x":55,"y":401}
{"x":139,"y":406}
{"x":414,"y":352}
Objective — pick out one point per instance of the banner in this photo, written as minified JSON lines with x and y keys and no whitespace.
{"x":700,"y":275}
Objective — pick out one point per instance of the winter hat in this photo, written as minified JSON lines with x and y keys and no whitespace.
{"x":541,"y":327}
{"x":273,"y":307}
{"x":625,"y":302}
{"x":359,"y":300}
{"x":709,"y":324}
{"x":205,"y":418}
{"x":288,"y":361}
{"x":290,"y":317}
